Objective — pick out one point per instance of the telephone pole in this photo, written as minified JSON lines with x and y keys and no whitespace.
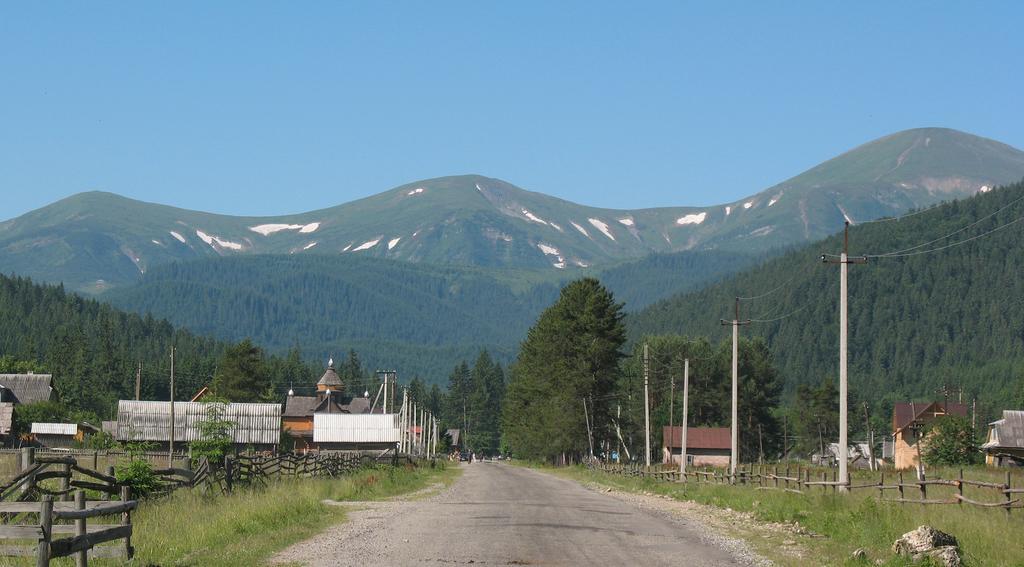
{"x":844,"y":261}
{"x":138,"y":382}
{"x":647,"y":411}
{"x":686,"y":409}
{"x":170,"y":444}
{"x":734,"y":455}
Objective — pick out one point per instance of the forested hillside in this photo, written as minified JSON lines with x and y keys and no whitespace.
{"x":416,"y":318}
{"x":93,"y":350}
{"x":939,"y":303}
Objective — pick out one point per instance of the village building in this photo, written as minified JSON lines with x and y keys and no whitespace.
{"x":859,"y":456}
{"x":355,"y":432}
{"x":21,"y":389}
{"x":1005,"y":443}
{"x":705,"y":446}
{"x":909,"y":424}
{"x":254,"y":426}
{"x":299,"y":414}
{"x":61,"y":435}
{"x":455,"y":449}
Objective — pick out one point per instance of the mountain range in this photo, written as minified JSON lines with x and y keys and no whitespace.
{"x":94,"y":241}
{"x":425,"y":274}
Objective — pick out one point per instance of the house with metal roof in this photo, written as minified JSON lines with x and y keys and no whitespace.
{"x":705,"y":446}
{"x":20,"y":389}
{"x":61,"y":435}
{"x":910,"y":422}
{"x":355,"y":432}
{"x":1005,"y":443}
{"x":256,"y":426}
{"x":329,"y":398}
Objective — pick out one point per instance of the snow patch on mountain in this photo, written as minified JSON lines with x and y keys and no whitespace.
{"x":692,"y":218}
{"x":310,"y":245}
{"x":367,"y":245}
{"x":533,"y":217}
{"x":748,"y":204}
{"x":311,"y":227}
{"x":345,"y":249}
{"x":416,"y":191}
{"x":178,"y":237}
{"x":763,"y":231}
{"x":774,"y":199}
{"x":602,"y":226}
{"x":728,"y":211}
{"x":158,"y":243}
{"x":580,"y":228}
{"x":627,"y":221}
{"x":220,"y":241}
{"x":268,"y":229}
{"x":556,"y":227}
{"x":393,"y":242}
{"x":582,"y":264}
{"x":845,"y":216}
{"x":549,"y":250}
{"x":984,"y":189}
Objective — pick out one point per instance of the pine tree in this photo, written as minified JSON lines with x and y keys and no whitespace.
{"x":242,"y":374}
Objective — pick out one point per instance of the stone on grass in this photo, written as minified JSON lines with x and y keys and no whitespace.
{"x":928,"y":542}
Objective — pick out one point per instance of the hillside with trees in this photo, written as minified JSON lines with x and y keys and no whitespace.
{"x":937,"y":304}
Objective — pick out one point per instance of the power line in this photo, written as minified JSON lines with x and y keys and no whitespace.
{"x":973,"y":224}
{"x":786,"y":316}
{"x":955,"y":244}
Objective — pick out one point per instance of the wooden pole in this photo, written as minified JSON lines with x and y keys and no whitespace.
{"x":686,"y":422}
{"x":170,"y":445}
{"x":126,"y":520}
{"x":46,"y":523}
{"x":82,"y":557}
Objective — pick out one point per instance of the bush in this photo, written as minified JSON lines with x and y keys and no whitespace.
{"x":137,"y":474}
{"x":950,"y":441}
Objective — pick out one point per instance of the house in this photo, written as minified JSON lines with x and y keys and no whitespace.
{"x":858,"y":454}
{"x":1005,"y":443}
{"x":255,"y":426}
{"x":61,"y":435}
{"x":355,"y":432}
{"x":20,"y":389}
{"x":455,"y":449}
{"x":705,"y":446}
{"x":299,"y":411}
{"x":909,"y":421}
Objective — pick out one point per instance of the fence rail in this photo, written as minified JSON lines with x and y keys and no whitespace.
{"x":765,"y":477}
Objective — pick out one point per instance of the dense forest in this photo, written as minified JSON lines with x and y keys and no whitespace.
{"x":94,"y":351}
{"x":937,"y":307}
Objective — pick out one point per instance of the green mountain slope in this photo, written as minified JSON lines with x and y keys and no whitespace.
{"x":94,"y":241}
{"x":917,"y":322}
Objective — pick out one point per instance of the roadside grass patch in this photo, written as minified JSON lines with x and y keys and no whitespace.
{"x":248,"y":526}
{"x":986,"y":537}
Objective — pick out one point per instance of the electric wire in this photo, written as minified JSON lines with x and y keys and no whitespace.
{"x":952,"y":245}
{"x":786,"y":316}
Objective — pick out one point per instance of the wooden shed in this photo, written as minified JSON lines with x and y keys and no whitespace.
{"x":705,"y":446}
{"x":21,"y":389}
{"x":1005,"y":443}
{"x":256,"y":426}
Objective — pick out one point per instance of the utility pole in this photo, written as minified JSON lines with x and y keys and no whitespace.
{"x":138,"y":382}
{"x":647,"y":411}
{"x":734,"y":454}
{"x":870,"y":438}
{"x":170,"y":444}
{"x":844,"y":261}
{"x":590,"y":437}
{"x":686,"y":423}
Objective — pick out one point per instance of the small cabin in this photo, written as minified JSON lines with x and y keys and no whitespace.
{"x":705,"y":446}
{"x":910,"y":422}
{"x":1005,"y":443}
{"x":61,"y":435}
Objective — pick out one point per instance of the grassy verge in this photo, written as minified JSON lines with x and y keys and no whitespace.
{"x":987,"y":537}
{"x":247,"y":527}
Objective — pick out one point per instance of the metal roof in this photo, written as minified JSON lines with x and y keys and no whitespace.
{"x":698,"y":437}
{"x":355,"y":428}
{"x":1007,"y":432}
{"x":55,"y":429}
{"x":905,"y":414}
{"x":26,"y":388}
{"x":257,"y":424}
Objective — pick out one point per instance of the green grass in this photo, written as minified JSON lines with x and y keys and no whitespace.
{"x":247,"y":527}
{"x":987,"y":537}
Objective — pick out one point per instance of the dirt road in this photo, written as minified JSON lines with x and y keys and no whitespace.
{"x":497,"y":514}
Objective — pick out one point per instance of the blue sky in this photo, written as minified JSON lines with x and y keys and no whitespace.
{"x":270,"y":108}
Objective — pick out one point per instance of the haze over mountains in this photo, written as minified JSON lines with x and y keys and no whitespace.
{"x":94,"y":241}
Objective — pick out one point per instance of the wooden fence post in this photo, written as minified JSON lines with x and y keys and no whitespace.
{"x":65,"y":482}
{"x":46,"y":523}
{"x":900,"y":485}
{"x":126,"y":520}
{"x":924,"y":488}
{"x":82,"y":557}
{"x":835,"y":478}
{"x":960,"y":489}
{"x":28,"y":460}
{"x":787,"y":476}
{"x":824,"y":479}
{"x":1009,"y":486}
{"x":881,"y":486}
{"x":228,"y":470}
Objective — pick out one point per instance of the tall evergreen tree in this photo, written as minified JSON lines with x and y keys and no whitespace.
{"x":571,"y":354}
{"x":242,"y":374}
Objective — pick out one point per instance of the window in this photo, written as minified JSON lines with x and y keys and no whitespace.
{"x":689,"y":459}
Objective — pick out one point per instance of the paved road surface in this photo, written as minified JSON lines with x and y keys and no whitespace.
{"x":498,"y":514}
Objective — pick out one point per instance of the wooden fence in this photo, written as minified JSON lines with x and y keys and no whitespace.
{"x":798,"y":479}
{"x":48,"y":483}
